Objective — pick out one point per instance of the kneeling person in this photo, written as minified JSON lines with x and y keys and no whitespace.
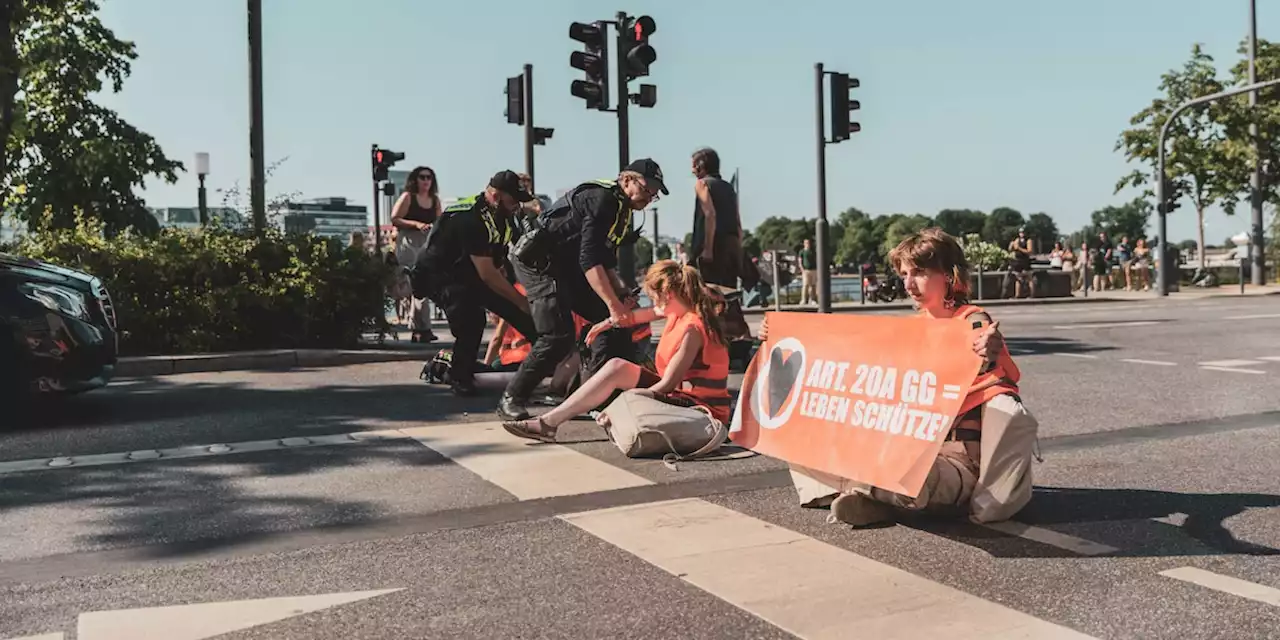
{"x":459,"y":270}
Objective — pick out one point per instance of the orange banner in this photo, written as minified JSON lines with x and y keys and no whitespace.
{"x":867,"y":398}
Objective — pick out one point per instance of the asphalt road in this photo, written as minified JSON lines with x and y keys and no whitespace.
{"x":1157,"y":511}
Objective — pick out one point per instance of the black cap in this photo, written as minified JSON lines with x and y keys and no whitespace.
{"x":508,"y":182}
{"x":651,"y":171}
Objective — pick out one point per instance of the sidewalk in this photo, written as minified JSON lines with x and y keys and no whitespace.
{"x":1078,"y":298}
{"x":142,"y":366}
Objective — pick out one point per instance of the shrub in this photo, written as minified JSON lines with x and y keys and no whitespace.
{"x":980,"y":253}
{"x":224,"y":289}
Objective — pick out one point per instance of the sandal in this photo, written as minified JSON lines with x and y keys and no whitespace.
{"x":541,"y":432}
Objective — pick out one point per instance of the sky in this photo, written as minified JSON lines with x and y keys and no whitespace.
{"x":964,"y":104}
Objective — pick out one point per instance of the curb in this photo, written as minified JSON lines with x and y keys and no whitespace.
{"x":1034,"y":302}
{"x":146,"y":366}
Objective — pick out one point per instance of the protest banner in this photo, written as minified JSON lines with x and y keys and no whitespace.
{"x":866,"y":398}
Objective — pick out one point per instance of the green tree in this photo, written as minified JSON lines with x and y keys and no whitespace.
{"x":860,"y":240}
{"x":961,"y":222}
{"x":900,"y":228}
{"x":1237,"y":116}
{"x":1002,"y":225}
{"x":63,"y":151}
{"x":750,"y":245}
{"x":1129,"y":219}
{"x":1043,"y":230}
{"x":644,"y":256}
{"x":664,"y":252}
{"x":1201,"y":164}
{"x":773,"y":233}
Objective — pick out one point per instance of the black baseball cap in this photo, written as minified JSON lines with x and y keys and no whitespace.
{"x":508,"y":182}
{"x":651,"y":171}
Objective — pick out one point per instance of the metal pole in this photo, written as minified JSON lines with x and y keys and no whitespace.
{"x":626,"y":254}
{"x":258,"y":179}
{"x":1162,"y":242}
{"x":377,"y":222}
{"x":1255,"y":199}
{"x":528,"y":122}
{"x":777,"y":281}
{"x":862,"y":284}
{"x":981,"y":276}
{"x":203,"y":202}
{"x":656,"y":236}
{"x":824,"y":267}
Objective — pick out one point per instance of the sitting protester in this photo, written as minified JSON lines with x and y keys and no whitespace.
{"x":692,"y":363}
{"x":984,"y":466}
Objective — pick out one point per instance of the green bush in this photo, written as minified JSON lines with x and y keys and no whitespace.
{"x":224,"y":289}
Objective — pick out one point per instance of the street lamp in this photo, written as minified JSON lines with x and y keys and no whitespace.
{"x":202,"y":170}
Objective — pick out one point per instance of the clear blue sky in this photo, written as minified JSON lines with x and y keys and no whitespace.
{"x":965,"y":104}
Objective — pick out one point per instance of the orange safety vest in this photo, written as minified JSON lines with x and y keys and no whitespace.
{"x":707,"y":380}
{"x":515,"y":347}
{"x":999,"y":380}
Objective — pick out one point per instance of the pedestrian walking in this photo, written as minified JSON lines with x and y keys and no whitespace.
{"x":413,"y":214}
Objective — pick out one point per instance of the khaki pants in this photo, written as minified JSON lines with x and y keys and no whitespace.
{"x":809,"y":286}
{"x":990,"y":481}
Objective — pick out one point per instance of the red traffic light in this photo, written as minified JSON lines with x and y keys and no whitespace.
{"x":644,"y":27}
{"x":378,"y":157}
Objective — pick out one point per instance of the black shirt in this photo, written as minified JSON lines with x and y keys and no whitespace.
{"x":580,"y":223}
{"x":478,"y":230}
{"x":725,"y":200}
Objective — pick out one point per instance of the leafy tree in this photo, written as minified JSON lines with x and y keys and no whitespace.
{"x":772,"y":233}
{"x":664,"y":252}
{"x":1189,"y":245}
{"x":1043,"y":230}
{"x":1129,"y":219}
{"x":900,"y":228}
{"x":1201,"y":164}
{"x":63,"y":151}
{"x":1237,"y":116}
{"x":750,"y":244}
{"x":961,"y":222}
{"x":860,"y":240}
{"x":1002,"y":225}
{"x":644,"y":255}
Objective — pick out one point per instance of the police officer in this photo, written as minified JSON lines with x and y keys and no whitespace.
{"x":461,"y":271}
{"x":569,"y":264}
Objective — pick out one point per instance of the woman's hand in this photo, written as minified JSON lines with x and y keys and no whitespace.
{"x":597,"y":329}
{"x":989,"y":343}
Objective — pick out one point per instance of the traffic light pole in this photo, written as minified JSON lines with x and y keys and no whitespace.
{"x":377,"y":221}
{"x":257,"y":180}
{"x":528,"y":121}
{"x":1163,"y":272}
{"x":626,"y":254}
{"x":824,"y":267}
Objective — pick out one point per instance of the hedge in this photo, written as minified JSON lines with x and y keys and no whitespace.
{"x":224,"y":289}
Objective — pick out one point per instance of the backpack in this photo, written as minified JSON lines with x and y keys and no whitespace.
{"x":437,"y":371}
{"x":643,"y":426}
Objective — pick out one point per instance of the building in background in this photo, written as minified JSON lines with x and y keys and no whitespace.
{"x":326,"y":217}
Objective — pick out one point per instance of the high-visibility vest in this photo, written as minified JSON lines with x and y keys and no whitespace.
{"x":707,"y":380}
{"x":622,"y":219}
{"x":998,"y":380}
{"x":468,"y":203}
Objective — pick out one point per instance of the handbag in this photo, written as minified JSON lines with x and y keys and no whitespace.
{"x":643,"y":426}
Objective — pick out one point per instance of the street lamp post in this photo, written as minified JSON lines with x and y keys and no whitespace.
{"x":1255,"y":195}
{"x":202,"y":170}
{"x":257,"y":181}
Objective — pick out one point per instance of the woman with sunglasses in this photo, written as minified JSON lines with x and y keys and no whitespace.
{"x":413,"y":214}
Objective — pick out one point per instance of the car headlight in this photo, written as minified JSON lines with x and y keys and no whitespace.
{"x":55,"y":298}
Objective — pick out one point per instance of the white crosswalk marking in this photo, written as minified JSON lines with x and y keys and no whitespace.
{"x":1226,"y":584}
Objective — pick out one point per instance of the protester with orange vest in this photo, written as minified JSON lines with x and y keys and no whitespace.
{"x":692,"y":360}
{"x":512,"y":347}
{"x":984,"y":466}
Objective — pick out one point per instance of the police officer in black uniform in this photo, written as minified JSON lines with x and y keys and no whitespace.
{"x":569,"y":264}
{"x":461,"y":270}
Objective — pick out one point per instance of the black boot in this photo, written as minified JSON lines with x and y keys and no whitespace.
{"x":511,"y":409}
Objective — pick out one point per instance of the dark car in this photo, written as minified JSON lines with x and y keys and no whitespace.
{"x":57,"y":329}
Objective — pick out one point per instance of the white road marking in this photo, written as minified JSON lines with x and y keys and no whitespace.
{"x":806,"y":587}
{"x":194,"y":451}
{"x":1270,"y":358}
{"x":1106,"y":325}
{"x":1256,"y":316}
{"x":1226,"y":584}
{"x":1176,"y":519}
{"x":1075,"y":355}
{"x":526,"y":469}
{"x":1019,"y":352}
{"x":1229,"y":363}
{"x":1159,"y":363}
{"x":1052,"y":538}
{"x":47,"y":636}
{"x":1233,"y":370}
{"x":207,"y":620}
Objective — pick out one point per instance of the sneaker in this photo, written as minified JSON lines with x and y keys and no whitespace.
{"x":859,"y":510}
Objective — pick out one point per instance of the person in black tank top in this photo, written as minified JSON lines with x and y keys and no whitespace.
{"x":717,"y":235}
{"x":412,"y":216}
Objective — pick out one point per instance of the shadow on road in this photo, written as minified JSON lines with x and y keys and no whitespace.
{"x":1048,"y":344}
{"x":1124,"y":519}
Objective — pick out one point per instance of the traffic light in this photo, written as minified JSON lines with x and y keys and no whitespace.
{"x":593,"y":60}
{"x":638,"y":54}
{"x":842,"y":106}
{"x":515,"y":100}
{"x":1171,"y":198}
{"x":541,"y":135}
{"x":382,"y":160}
{"x":647,"y":97}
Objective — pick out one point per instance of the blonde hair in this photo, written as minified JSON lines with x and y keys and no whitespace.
{"x":670,"y":278}
{"x":935,"y":250}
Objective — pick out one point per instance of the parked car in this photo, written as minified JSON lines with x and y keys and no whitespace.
{"x":57,"y":329}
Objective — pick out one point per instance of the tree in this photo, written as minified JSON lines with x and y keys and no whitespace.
{"x":1129,"y":219}
{"x":1002,"y":225}
{"x":860,"y":241}
{"x":664,"y":252}
{"x":1201,"y":165}
{"x":644,"y":256}
{"x":63,"y":151}
{"x":1237,"y":116}
{"x":961,"y":222}
{"x":901,"y":227}
{"x":1042,"y":230}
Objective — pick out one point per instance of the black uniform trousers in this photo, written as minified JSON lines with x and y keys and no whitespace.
{"x":464,"y":297}
{"x":554,"y":296}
